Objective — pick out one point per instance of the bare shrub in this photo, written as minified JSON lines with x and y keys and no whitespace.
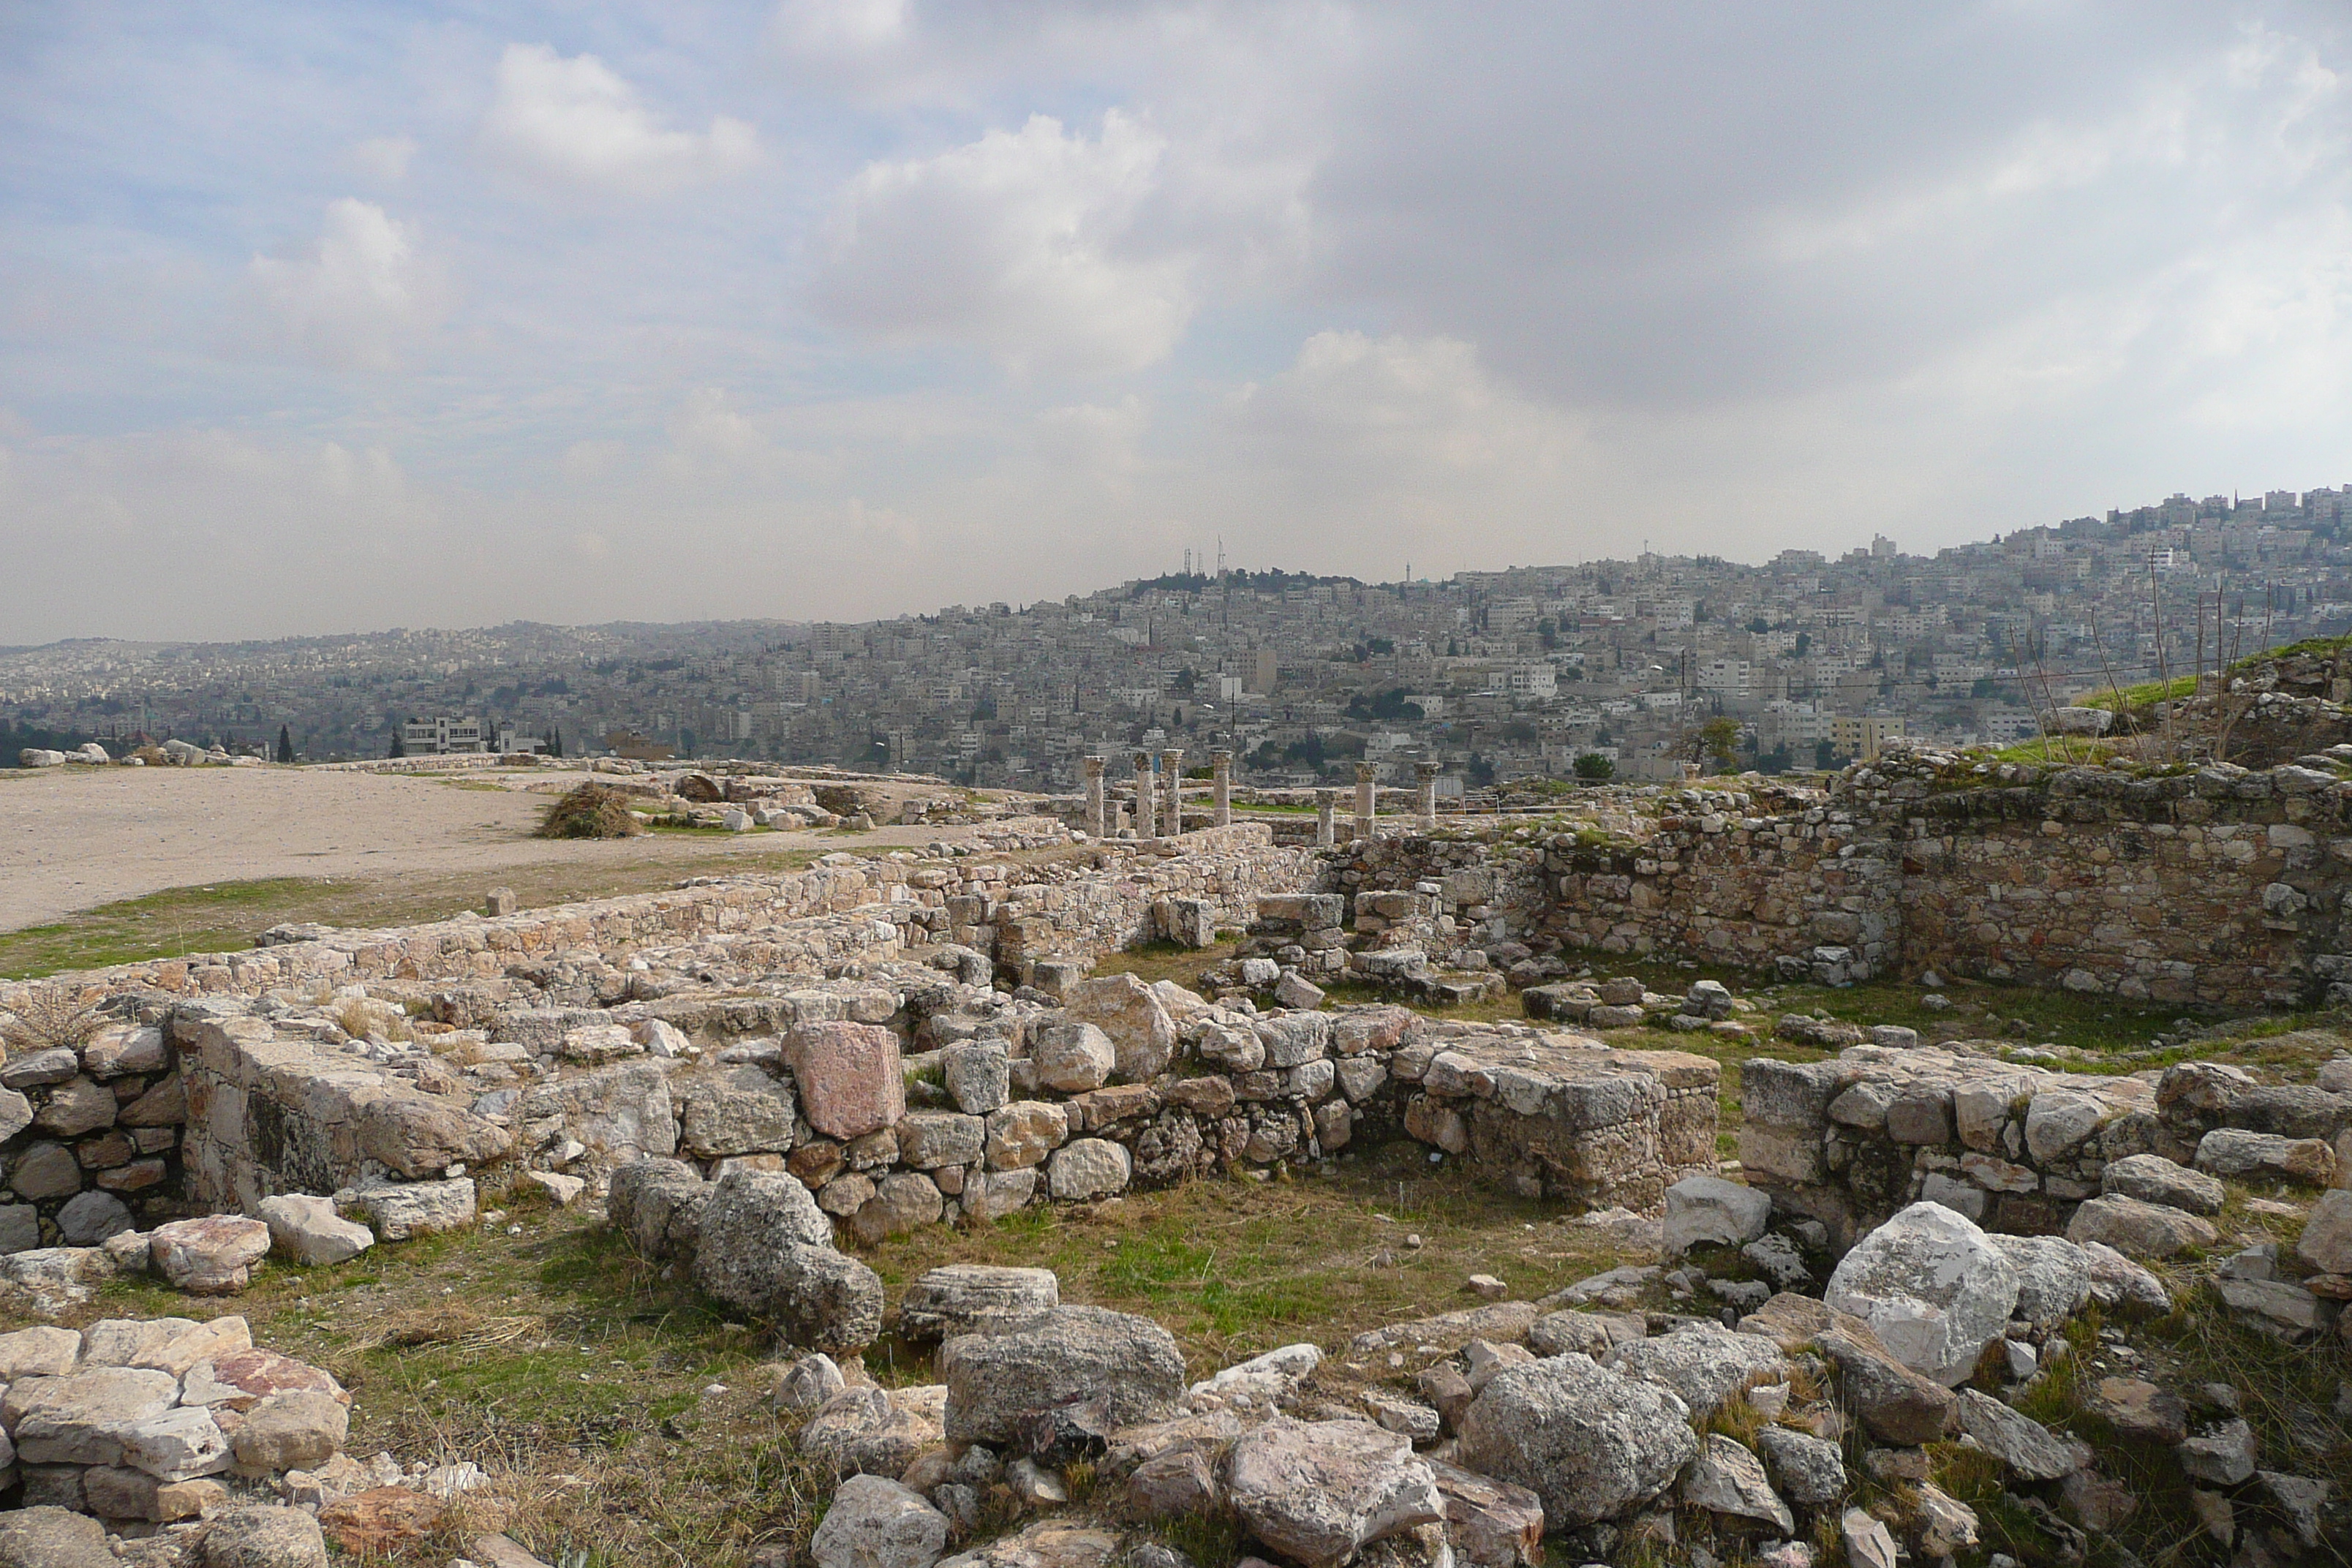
{"x":591,"y":811}
{"x":46,"y":1016}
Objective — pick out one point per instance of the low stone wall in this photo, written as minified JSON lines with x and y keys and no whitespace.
{"x":1851,"y":1141}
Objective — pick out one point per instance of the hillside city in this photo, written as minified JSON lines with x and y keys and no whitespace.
{"x":1492,"y":675}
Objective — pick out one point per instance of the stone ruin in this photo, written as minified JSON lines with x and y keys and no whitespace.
{"x":746,"y":1071}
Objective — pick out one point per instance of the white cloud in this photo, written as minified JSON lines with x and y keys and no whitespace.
{"x":1022,"y":244}
{"x":351,"y":298}
{"x":826,"y":28}
{"x":386,"y":158}
{"x":578,"y":121}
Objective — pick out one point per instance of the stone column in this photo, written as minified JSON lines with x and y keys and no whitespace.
{"x":1424,"y":779}
{"x":1096,"y":818}
{"x":1144,"y":826}
{"x":1326,"y":811}
{"x":1367,"y":799}
{"x":1172,"y":785}
{"x":1221,"y":787}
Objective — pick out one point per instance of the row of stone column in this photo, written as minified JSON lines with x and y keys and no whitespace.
{"x":1165,"y":804}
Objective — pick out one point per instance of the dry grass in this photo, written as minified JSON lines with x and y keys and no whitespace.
{"x":48,"y":1017}
{"x":591,"y":811}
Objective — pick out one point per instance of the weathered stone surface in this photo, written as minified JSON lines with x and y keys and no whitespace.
{"x":2230,"y":1151}
{"x":1073,"y":1056}
{"x":76,"y":1107}
{"x":996,"y":1382}
{"x":308,"y":1231}
{"x":89,"y":1218}
{"x":1591,"y":1442}
{"x":38,"y":1352}
{"x":398,"y":1210}
{"x":764,"y":1246}
{"x":1930,"y":1286}
{"x":974,"y":1297}
{"x":77,"y":1419}
{"x":297,"y":1431}
{"x":2138,"y":1409}
{"x":1896,"y":1404}
{"x":423,"y":1136}
{"x":2139,"y":1230}
{"x":1705,"y":1368}
{"x":261,"y":1537}
{"x":1491,"y":1523}
{"x":161,"y":1344}
{"x":1867,"y":1542}
{"x":733,"y":1110}
{"x":874,"y":1522}
{"x":1175,"y":1484}
{"x":1808,"y":1470}
{"x":1318,"y":1492}
{"x":2223,"y":1456}
{"x":2028,"y":1447}
{"x":851,"y":1076}
{"x":901,"y":1202}
{"x":1025,"y":1132}
{"x":44,"y":1537}
{"x":209,"y":1256}
{"x":2054,"y":1276}
{"x":621,"y":1113}
{"x":2153,"y":1179}
{"x":931,"y":1139}
{"x":45,"y":1170}
{"x":804,"y":1386}
{"x":657,"y":1204}
{"x":1088,"y":1168}
{"x":978,"y":1074}
{"x":1725,"y":1479}
{"x":2326,"y":1240}
{"x":1710,"y":1210}
{"x":1143,"y":1035}
{"x":244,"y":1378}
{"x":2119,"y":1283}
{"x":178,"y":1445}
{"x":1261,"y":1381}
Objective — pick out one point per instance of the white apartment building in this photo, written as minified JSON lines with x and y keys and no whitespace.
{"x":444,"y":737}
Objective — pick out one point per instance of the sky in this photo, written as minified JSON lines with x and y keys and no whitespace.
{"x":317,"y":319}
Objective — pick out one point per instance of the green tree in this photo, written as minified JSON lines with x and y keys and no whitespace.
{"x":1594,"y":768}
{"x":285,"y":744}
{"x":1719,"y":738}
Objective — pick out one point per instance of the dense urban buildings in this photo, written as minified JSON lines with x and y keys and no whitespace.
{"x":1490,"y":675}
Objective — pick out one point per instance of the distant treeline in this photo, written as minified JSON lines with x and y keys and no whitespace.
{"x":17,"y":738}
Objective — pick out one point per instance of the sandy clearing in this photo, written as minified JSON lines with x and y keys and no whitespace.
{"x":71,"y":839}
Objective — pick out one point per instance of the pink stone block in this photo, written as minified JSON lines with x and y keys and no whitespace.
{"x":850,"y":1077}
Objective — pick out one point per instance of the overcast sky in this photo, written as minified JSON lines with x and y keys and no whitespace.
{"x":317,"y":317}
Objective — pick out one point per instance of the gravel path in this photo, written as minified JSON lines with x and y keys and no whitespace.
{"x":74,"y":838}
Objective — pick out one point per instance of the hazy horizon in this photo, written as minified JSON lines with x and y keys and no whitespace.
{"x":430,"y":315}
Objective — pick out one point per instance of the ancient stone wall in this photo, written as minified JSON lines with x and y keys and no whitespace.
{"x":2220,"y":886}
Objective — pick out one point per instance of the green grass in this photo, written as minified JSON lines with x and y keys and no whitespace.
{"x":2144,"y":695}
{"x":221,"y":918}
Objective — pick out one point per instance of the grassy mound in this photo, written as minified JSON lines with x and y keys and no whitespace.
{"x":591,"y":811}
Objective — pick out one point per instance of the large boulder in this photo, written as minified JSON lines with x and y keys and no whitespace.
{"x":1072,"y":1057}
{"x":1592,"y":1443}
{"x":1895,"y":1403}
{"x":399,"y":1210}
{"x":1318,"y":1492}
{"x":1807,"y":1469}
{"x":2233,"y":1151}
{"x":2119,"y":1283}
{"x":1142,"y":1033}
{"x":621,"y":1113}
{"x":1705,"y":1368}
{"x":1708,"y":1210}
{"x":974,"y":1297}
{"x":1490,"y":1523}
{"x":1931,"y":1286}
{"x":1129,"y":1365}
{"x":764,"y":1246}
{"x":852,"y":1079}
{"x":874,"y":1522}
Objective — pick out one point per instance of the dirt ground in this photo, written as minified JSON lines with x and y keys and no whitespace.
{"x":74,"y":838}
